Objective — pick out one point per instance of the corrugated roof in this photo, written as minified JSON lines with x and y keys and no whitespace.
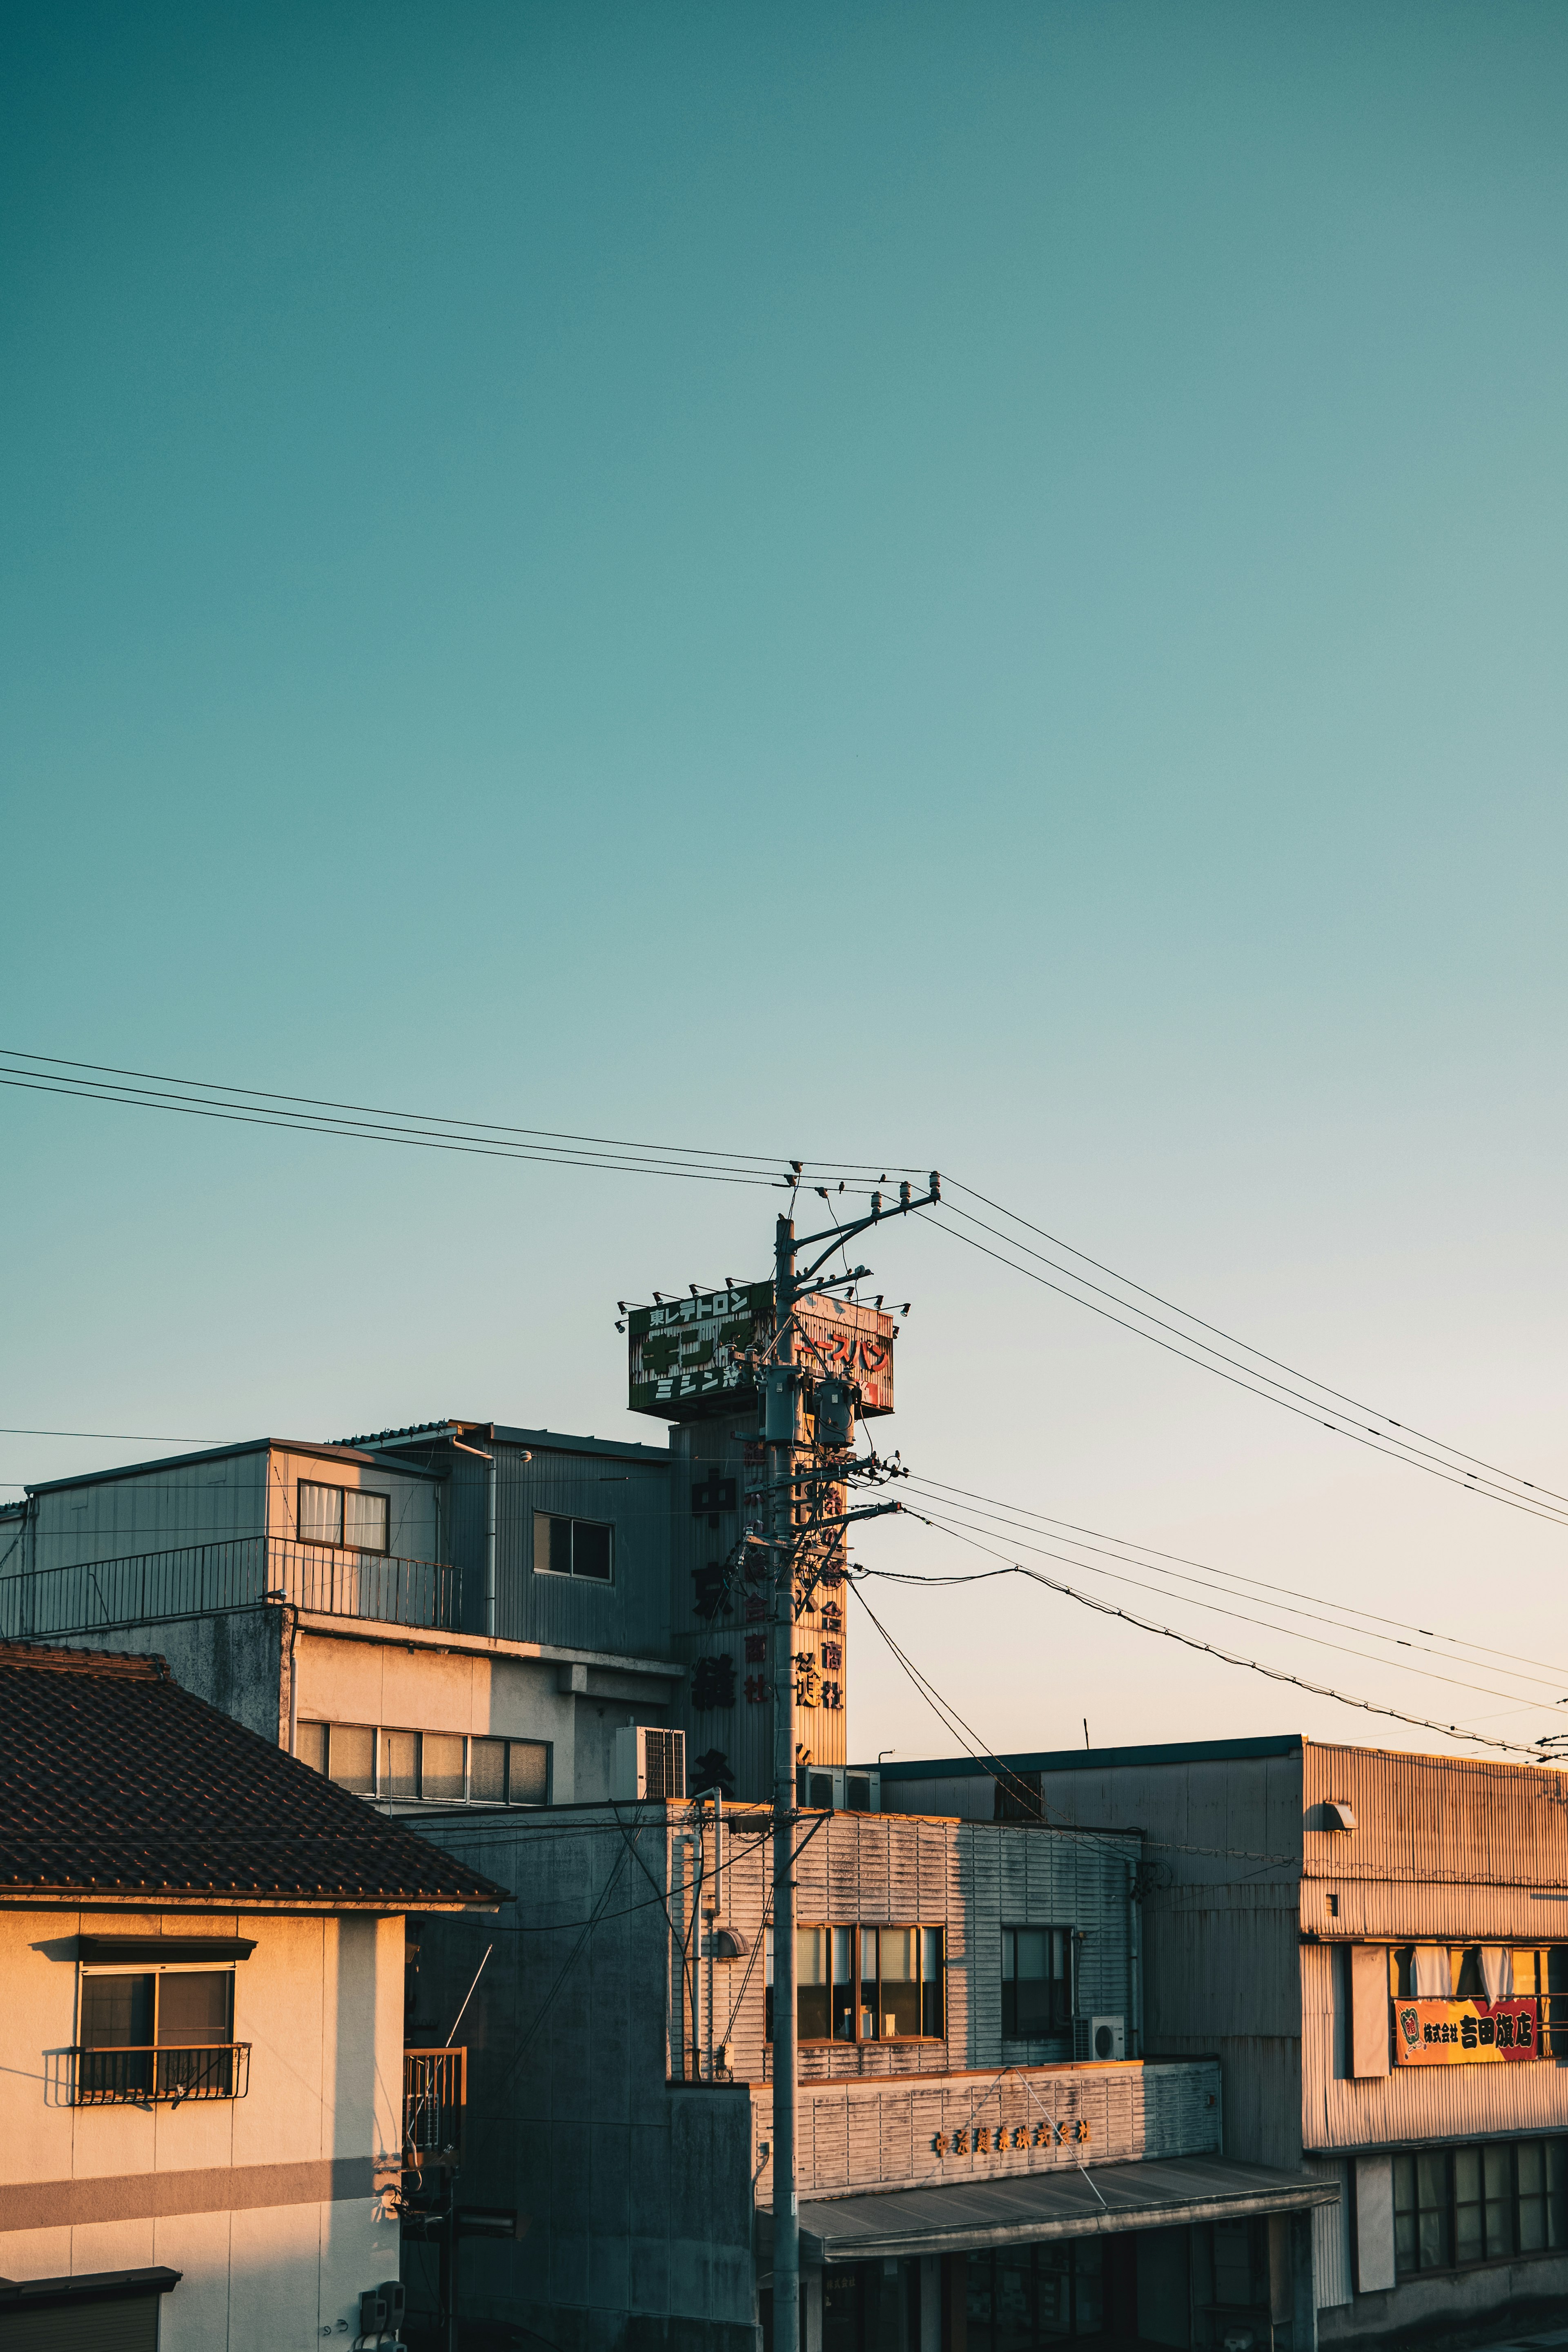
{"x":122,"y":1789}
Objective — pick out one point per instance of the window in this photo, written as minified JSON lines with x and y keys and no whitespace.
{"x":1036,"y":1982}
{"x":344,"y":1514}
{"x":406,"y":1768}
{"x":1027,"y":2296}
{"x":162,"y":2033}
{"x":571,"y":1547}
{"x":870,"y":1984}
{"x":1456,"y":2206}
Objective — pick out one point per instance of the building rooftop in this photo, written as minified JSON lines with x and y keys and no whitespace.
{"x":123,"y":1789}
{"x":1090,"y":1760}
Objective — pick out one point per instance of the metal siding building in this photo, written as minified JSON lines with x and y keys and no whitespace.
{"x":1259,"y":1914}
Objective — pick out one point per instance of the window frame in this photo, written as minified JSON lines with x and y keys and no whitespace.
{"x":573,"y":1520}
{"x":159,"y":2086}
{"x":1407,"y":2168}
{"x":326,"y":1543}
{"x":383,"y":1734}
{"x":858,"y":1930}
{"x":1061,"y":2027}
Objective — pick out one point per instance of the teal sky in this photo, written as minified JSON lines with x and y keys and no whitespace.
{"x":979,"y":585}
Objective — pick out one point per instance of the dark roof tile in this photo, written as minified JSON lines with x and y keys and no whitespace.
{"x":119,"y":1784}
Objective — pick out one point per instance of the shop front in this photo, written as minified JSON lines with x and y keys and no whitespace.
{"x":1192,"y":2252}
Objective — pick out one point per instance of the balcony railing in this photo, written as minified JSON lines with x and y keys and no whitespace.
{"x":141,"y":2073}
{"x":200,"y":1580}
{"x":435,"y":2093}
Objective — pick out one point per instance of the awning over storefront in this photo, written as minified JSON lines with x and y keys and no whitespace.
{"x":956,"y":2218}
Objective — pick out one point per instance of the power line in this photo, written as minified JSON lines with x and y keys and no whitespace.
{"x":1522,"y":1669}
{"x":1339,"y":1395}
{"x":1190,"y":1641}
{"x":1149,"y":1553}
{"x":1394,"y":1450}
{"x":1483,"y":1690}
{"x":208,"y":1098}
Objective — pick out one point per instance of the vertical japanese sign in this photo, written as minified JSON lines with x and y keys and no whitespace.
{"x":1463,"y":2033}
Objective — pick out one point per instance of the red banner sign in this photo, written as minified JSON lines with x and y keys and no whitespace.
{"x":1460,"y":2033}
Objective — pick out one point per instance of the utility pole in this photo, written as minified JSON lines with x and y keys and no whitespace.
{"x":784,"y":1431}
{"x":783,"y":1399}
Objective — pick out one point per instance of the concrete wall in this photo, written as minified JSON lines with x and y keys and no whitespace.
{"x":236,"y":1660}
{"x":634,"y":2195}
{"x":267,"y":2204}
{"x":399,"y":1680}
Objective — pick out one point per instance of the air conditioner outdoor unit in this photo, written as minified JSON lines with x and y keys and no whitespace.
{"x":650,"y":1764}
{"x":838,"y":1786}
{"x":1099,"y":2037}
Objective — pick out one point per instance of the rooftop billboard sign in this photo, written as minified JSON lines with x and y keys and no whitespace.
{"x":692,"y":1357}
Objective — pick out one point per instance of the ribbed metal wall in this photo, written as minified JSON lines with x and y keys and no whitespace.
{"x":629,"y":1616}
{"x":1412,"y":2102}
{"x":1443,"y":1846}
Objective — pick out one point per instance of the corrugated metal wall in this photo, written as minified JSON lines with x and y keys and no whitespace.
{"x":629,"y":1616}
{"x":1442,"y":1846}
{"x":1412,"y":2102}
{"x":157,"y":1509}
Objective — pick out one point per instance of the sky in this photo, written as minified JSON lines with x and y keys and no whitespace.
{"x":976,"y":588}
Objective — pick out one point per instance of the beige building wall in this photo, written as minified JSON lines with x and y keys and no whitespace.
{"x":271,"y":2206}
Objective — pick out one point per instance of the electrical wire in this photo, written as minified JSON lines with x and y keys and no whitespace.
{"x":1190,"y":1641}
{"x":1150,"y":1553}
{"x":1521,"y":1672}
{"x":1410,"y":1445}
{"x":106,"y":1083}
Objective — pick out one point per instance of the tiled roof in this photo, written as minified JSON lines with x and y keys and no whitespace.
{"x":118,"y":1786}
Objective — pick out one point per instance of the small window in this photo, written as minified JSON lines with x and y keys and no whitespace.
{"x":581,"y":1547}
{"x":163,"y":2034}
{"x":311,"y":1745}
{"x":1036,"y":1982}
{"x":343,"y":1515}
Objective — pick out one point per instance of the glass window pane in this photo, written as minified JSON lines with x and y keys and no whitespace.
{"x":351,"y":1758}
{"x":1089,"y":2311}
{"x":901,"y":1981}
{"x":320,"y":1513}
{"x":811,"y":1983}
{"x":1053,"y":2292}
{"x":311,"y":1745}
{"x":844,"y":1984}
{"x":1009,"y":1954}
{"x":1015,"y":2293}
{"x":979,"y":2303}
{"x":1471,"y":1986}
{"x":869,"y":2021}
{"x":1032,"y":1949}
{"x":116,"y":2012}
{"x":591,"y":1551}
{"x":933,"y":1984}
{"x":367,"y":1520}
{"x":528,"y":1772}
{"x":552,"y":1545}
{"x":195,"y":2007}
{"x":487,"y":1770}
{"x":441,"y":1768}
{"x":1525,"y":1969}
{"x":400,"y":1765}
{"x":1556,"y":2192}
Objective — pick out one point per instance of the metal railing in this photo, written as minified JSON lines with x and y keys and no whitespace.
{"x":145,"y":2072}
{"x":202,"y":1579}
{"x":435,"y":2093}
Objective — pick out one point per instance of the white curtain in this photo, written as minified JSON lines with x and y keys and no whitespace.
{"x":1434,"y":1976}
{"x":1497,"y":1970}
